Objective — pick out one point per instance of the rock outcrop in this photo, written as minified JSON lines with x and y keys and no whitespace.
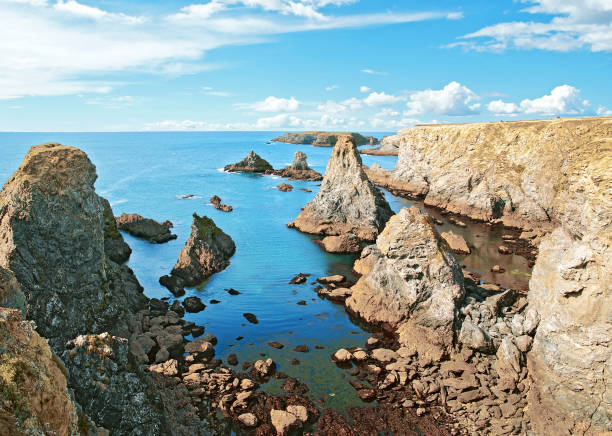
{"x":252,"y":163}
{"x":324,"y":139}
{"x":145,"y":228}
{"x":411,"y":281}
{"x":215,"y":200}
{"x":114,"y":246}
{"x":388,"y":147}
{"x":11,"y":295}
{"x":33,"y":392}
{"x":207,"y":251}
{"x":299,"y":170}
{"x":527,"y":174}
{"x":347,"y":203}
{"x":52,"y":228}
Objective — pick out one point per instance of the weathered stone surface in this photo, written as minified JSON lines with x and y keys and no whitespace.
{"x":114,"y":246}
{"x":207,"y":251}
{"x":215,"y":200}
{"x":204,"y":348}
{"x":285,"y":187}
{"x":571,"y":355}
{"x":456,"y":243}
{"x":413,"y":283}
{"x":348,"y":243}
{"x":324,"y":139}
{"x":300,"y":162}
{"x":145,"y":228}
{"x":474,"y":337}
{"x":283,"y":422}
{"x":248,"y":419}
{"x":264,"y":368}
{"x":388,"y":147}
{"x":35,"y":399}
{"x":299,"y":170}
{"x":252,"y":163}
{"x":342,"y":355}
{"x":59,"y":258}
{"x":11,"y":296}
{"x":347,"y":203}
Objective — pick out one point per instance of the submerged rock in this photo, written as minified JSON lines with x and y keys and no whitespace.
{"x":145,"y":228}
{"x":252,"y":163}
{"x":456,"y":243}
{"x":207,"y":251}
{"x":410,"y":281}
{"x":347,"y":203}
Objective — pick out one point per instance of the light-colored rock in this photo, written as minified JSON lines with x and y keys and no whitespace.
{"x":384,"y":355}
{"x":342,"y":355}
{"x":360,"y":355}
{"x":456,"y":242}
{"x":299,"y":161}
{"x":473,"y":337}
{"x":248,"y":419}
{"x":335,"y":279}
{"x":347,"y":203}
{"x":341,"y":244}
{"x":247,"y":384}
{"x":264,"y":368}
{"x":283,"y":422}
{"x":414,"y":283}
{"x":300,"y":412}
{"x":523,"y":343}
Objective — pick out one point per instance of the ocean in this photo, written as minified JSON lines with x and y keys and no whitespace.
{"x":148,"y":173}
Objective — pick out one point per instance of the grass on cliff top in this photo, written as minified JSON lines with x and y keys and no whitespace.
{"x":206,"y":227}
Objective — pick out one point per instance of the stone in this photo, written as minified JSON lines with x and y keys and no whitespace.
{"x":276,"y":345}
{"x":207,"y":251}
{"x":360,"y":355}
{"x":232,"y":359}
{"x":414,"y":284}
{"x":503,"y":249}
{"x":252,"y":163}
{"x":168,"y":368}
{"x":347,"y":202}
{"x":11,"y":296}
{"x":145,"y":228}
{"x":335,"y":279}
{"x":250,"y":318}
{"x":508,"y":359}
{"x":248,"y":419}
{"x":456,"y":243}
{"x":283,"y":422}
{"x":384,"y":355}
{"x":498,"y":269}
{"x":301,"y":349}
{"x":342,"y":244}
{"x":285,"y":187}
{"x":472,"y":336}
{"x":115,"y":246}
{"x":247,"y":384}
{"x":299,"y":279}
{"x":299,"y":170}
{"x":264,"y":368}
{"x":209,"y":337}
{"x":216,"y":202}
{"x":366,"y":395}
{"x":193,"y":304}
{"x":300,"y":162}
{"x":300,"y":412}
{"x":342,"y":355}
{"x":201,"y":347}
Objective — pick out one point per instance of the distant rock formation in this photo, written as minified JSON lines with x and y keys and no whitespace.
{"x":347,"y":201}
{"x":299,"y":170}
{"x":216,"y":202}
{"x":207,"y":251}
{"x":324,"y":139}
{"x":411,"y":281}
{"x":145,"y":228}
{"x":252,"y":163}
{"x":59,"y":258}
{"x":388,"y":147}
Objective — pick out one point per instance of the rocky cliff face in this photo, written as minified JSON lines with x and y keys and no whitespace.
{"x":11,"y":295}
{"x":388,"y":147}
{"x":347,"y":201}
{"x":114,"y":246}
{"x":33,"y":393}
{"x":53,"y":240}
{"x":324,"y":139}
{"x":524,"y":173}
{"x":410,"y":280}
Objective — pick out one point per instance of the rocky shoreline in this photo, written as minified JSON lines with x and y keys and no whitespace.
{"x":324,"y":139}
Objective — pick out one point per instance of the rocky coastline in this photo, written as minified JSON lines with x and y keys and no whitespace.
{"x":324,"y":139}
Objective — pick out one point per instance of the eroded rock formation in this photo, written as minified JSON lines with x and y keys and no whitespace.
{"x":299,"y":169}
{"x":324,"y":139}
{"x":145,"y":228}
{"x":388,"y":147}
{"x":252,"y":163}
{"x":347,"y":203}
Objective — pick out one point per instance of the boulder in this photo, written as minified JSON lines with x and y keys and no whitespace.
{"x":456,"y":243}
{"x":283,"y":422}
{"x":207,"y":251}
{"x":145,"y":228}
{"x":115,"y":247}
{"x":193,"y":304}
{"x":411,"y":282}
{"x":252,"y":163}
{"x":341,"y":244}
{"x":342,"y":355}
{"x":299,"y":161}
{"x":347,"y":203}
{"x":248,"y":419}
{"x":202,"y":347}
{"x":264,"y":368}
{"x":300,"y":412}
{"x":473,"y":337}
{"x":216,"y":202}
{"x":285,"y":187}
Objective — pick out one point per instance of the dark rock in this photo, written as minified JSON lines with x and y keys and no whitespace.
{"x":276,"y":345}
{"x":145,"y":228}
{"x":232,"y":291}
{"x":177,"y":308}
{"x":209,"y":337}
{"x":301,"y":303}
{"x":197,"y":331}
{"x":216,"y":202}
{"x":366,"y":395}
{"x":232,"y":359}
{"x":114,"y":246}
{"x":193,"y":304}
{"x":285,"y":187}
{"x":214,"y":302}
{"x":252,"y":163}
{"x":299,"y":279}
{"x":251,"y":318}
{"x":302,"y":349}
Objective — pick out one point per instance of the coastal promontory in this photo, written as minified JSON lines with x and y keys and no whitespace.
{"x":324,"y":139}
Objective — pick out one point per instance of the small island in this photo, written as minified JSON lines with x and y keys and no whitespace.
{"x":324,"y":139}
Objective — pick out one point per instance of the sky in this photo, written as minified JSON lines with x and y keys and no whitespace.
{"x":363,"y":65}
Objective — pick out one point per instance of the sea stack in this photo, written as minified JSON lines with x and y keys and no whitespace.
{"x":206,"y":252}
{"x":347,"y":203}
{"x":410,"y":280}
{"x":299,"y":169}
{"x":252,"y":163}
{"x":145,"y":228}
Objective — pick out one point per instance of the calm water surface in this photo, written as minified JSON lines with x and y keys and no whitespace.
{"x":147,"y":173}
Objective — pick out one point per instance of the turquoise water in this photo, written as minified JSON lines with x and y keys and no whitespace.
{"x":147,"y":173}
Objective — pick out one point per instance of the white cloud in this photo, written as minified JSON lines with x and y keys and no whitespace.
{"x":209,"y":90}
{"x":272,"y":104}
{"x":453,"y":99}
{"x":562,"y":100}
{"x":603,"y":111}
{"x":381,"y":99}
{"x":576,"y":24}
{"x":353,"y":104}
{"x":75,"y":8}
{"x":377,"y":73}
{"x":112,"y":102}
{"x":332,"y":107}
{"x":331,"y":88}
{"x":388,"y":112}
{"x":364,"y":89}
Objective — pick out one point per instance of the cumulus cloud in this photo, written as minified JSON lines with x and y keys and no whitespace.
{"x":331,"y":88}
{"x":273,"y":104}
{"x":75,"y":8}
{"x":364,"y":89}
{"x":603,"y":111}
{"x":381,"y":99}
{"x":576,"y":24}
{"x":562,"y":100}
{"x":388,"y":112}
{"x":453,"y":99}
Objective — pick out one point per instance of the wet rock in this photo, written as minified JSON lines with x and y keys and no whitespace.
{"x":252,"y":163}
{"x":202,"y":347}
{"x":342,"y":355}
{"x":301,"y":303}
{"x":503,"y":249}
{"x":300,"y":412}
{"x":177,"y":308}
{"x":197,"y":331}
{"x":193,"y":304}
{"x":232,"y":292}
{"x":285,"y":187}
{"x":250,"y":318}
{"x":248,"y":419}
{"x":264,"y":368}
{"x":209,"y":337}
{"x":299,"y":279}
{"x":302,"y":349}
{"x":384,"y":355}
{"x":283,"y":422}
{"x":341,"y":244}
{"x":145,"y":228}
{"x":276,"y":345}
{"x":335,"y":279}
{"x":498,"y":269}
{"x":366,"y":395}
{"x":347,"y":203}
{"x":232,"y":359}
{"x":214,"y":302}
{"x":216,"y":202}
{"x":207,"y":251}
{"x":456,"y":243}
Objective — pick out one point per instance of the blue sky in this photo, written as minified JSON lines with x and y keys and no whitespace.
{"x":109,"y":65}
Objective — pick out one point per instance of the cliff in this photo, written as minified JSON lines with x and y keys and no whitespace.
{"x":388,"y":147}
{"x":324,"y":139}
{"x":347,"y":203}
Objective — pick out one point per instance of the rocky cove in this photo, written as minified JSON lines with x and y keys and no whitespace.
{"x":294,"y":316}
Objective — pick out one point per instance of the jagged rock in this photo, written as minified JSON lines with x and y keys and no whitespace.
{"x":59,"y":258}
{"x":335,"y":279}
{"x":11,"y":296}
{"x":145,"y":228}
{"x":299,"y":170}
{"x":114,"y":246}
{"x":264,"y":368}
{"x":283,"y":422}
{"x":299,"y":161}
{"x":571,"y":292}
{"x":285,"y":187}
{"x":252,"y":163}
{"x":109,"y":389}
{"x":193,"y":304}
{"x":207,"y":251}
{"x":347,"y":203}
{"x":248,"y":419}
{"x":473,"y":337}
{"x":202,"y":347}
{"x":216,"y":202}
{"x":341,"y":244}
{"x":324,"y":139}
{"x":411,"y":282}
{"x":35,"y":399}
{"x":456,"y":243}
